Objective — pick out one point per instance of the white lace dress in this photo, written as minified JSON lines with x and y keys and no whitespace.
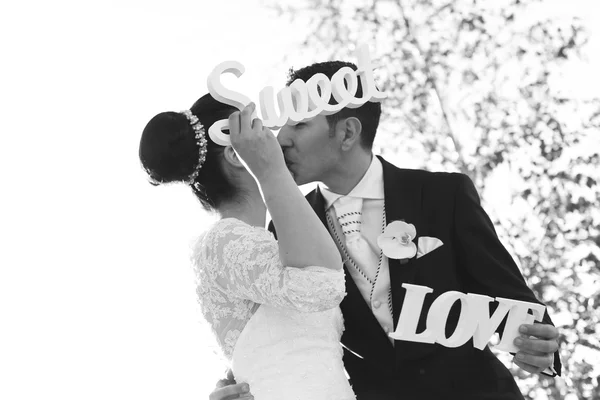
{"x":279,"y":326}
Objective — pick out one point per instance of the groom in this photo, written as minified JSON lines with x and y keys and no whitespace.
{"x":358,"y":196}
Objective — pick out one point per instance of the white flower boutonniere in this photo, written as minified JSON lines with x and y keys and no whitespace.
{"x":397,"y":238}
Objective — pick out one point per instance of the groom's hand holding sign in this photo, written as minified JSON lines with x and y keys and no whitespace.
{"x":537,"y":345}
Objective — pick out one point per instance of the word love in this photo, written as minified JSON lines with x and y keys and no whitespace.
{"x":300,"y":101}
{"x":474,"y":321}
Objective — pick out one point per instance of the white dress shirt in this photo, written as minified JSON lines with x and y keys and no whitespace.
{"x":376,"y":290}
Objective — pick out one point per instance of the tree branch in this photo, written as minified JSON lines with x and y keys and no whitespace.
{"x":457,"y":146}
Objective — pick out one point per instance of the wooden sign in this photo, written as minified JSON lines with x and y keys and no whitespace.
{"x":474,"y":322}
{"x":300,"y":101}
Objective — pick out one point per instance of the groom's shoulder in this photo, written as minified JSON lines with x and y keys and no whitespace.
{"x":436,"y":179}
{"x":417,"y":173}
{"x":433,"y":185}
{"x":437,"y":176}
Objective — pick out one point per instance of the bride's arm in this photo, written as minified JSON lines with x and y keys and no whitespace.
{"x":302,"y":238}
{"x":244,"y":262}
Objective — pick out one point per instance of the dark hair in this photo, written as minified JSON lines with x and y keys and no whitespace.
{"x":368,"y":114}
{"x":169,"y":153}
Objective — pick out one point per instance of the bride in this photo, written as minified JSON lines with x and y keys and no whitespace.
{"x":273,"y":305}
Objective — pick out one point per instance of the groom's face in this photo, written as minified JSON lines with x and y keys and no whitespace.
{"x":309,"y":149}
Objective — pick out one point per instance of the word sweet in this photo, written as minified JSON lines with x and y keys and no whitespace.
{"x":300,"y":100}
{"x":474,"y":321}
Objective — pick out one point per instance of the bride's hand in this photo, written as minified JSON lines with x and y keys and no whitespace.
{"x":255,"y":144}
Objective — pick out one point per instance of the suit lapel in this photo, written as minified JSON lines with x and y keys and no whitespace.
{"x":402,"y":202}
{"x":317,"y":202}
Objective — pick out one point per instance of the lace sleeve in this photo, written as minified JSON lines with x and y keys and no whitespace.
{"x":245,"y":264}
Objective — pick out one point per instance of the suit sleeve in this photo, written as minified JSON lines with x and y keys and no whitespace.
{"x":488,"y":267}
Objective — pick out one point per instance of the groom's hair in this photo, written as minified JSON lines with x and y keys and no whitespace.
{"x":368,"y":114}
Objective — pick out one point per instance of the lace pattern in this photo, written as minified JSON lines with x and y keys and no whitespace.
{"x":238,"y":268}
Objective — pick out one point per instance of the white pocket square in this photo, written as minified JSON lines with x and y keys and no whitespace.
{"x":427,"y":244}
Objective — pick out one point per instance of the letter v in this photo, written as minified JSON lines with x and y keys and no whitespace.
{"x":480,"y":307}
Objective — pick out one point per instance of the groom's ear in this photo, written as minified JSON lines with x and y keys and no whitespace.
{"x":232,"y":158}
{"x":350,"y":130}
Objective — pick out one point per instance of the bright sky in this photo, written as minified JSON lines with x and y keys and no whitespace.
{"x":97,"y":295}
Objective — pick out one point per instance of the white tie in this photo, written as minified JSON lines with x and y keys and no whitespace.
{"x":349,"y":215}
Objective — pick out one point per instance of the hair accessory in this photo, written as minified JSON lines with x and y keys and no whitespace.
{"x":200,"y":135}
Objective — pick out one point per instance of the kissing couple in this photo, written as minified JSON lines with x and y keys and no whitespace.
{"x":304,"y":309}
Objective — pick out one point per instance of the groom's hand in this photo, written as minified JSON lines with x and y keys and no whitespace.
{"x":227,"y":391}
{"x":537,"y":345}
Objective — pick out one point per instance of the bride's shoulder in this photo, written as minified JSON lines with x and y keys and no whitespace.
{"x":222,"y":227}
{"x":227,"y":229}
{"x":235,"y":228}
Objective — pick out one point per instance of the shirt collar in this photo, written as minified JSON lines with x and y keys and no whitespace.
{"x":369,"y":187}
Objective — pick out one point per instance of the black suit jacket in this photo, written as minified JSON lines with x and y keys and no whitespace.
{"x":472,"y":260}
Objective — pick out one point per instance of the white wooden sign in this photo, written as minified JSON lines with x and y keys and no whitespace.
{"x":300,"y":101}
{"x":474,"y":322}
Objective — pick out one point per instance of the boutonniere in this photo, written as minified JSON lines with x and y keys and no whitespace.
{"x":397,"y":241}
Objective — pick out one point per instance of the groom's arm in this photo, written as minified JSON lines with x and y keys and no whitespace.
{"x":490,"y":269}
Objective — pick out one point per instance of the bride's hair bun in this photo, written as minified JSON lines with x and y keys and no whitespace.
{"x":169,"y":152}
{"x":168,"y":149}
